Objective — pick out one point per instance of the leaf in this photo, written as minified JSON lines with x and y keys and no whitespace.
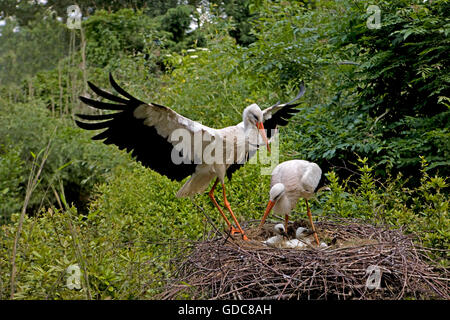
{"x":64,"y":165}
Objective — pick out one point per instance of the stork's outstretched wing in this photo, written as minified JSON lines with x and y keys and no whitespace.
{"x":274,"y":116}
{"x":144,"y":129}
{"x":279,"y":114}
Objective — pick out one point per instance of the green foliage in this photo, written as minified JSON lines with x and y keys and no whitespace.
{"x":26,"y":129}
{"x":292,"y":45}
{"x":403,"y":80}
{"x":382,"y":91}
{"x":23,"y":11}
{"x":242,"y":21}
{"x":177,"y":21}
{"x":13,"y":174}
{"x":126,"y":240}
{"x":26,"y":11}
{"x":125,"y":32}
{"x":56,"y":239}
{"x":36,"y":47}
{"x":422,"y":211}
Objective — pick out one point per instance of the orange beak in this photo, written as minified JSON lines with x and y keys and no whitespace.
{"x":266,"y":213}
{"x":262,"y":132}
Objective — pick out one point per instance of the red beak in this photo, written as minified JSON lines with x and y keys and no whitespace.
{"x":266,"y":213}
{"x":263,"y":134}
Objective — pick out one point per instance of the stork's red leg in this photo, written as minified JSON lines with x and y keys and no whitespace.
{"x":227,"y":204}
{"x":311,"y":222}
{"x":213,"y":199}
{"x":286,"y":221}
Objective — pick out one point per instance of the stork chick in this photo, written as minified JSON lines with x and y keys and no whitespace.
{"x":277,"y":240}
{"x":280,"y":240}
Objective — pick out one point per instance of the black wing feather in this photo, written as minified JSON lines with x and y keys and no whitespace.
{"x":102,"y":105}
{"x":95,"y":125}
{"x":282,"y":116}
{"x":234,"y":167}
{"x":98,"y":116}
{"x":119,"y":89}
{"x":131,"y":134}
{"x":105,"y":94}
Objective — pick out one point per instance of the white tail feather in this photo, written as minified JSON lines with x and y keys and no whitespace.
{"x":196,"y":184}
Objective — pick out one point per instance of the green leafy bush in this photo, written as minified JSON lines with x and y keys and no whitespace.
{"x":13,"y":174}
{"x":25,"y":130}
{"x":378,"y":92}
{"x":177,"y":21}
{"x":125,"y":32}
{"x":125,"y":241}
{"x":402,"y":81}
{"x":38,"y":46}
{"x":422,"y":211}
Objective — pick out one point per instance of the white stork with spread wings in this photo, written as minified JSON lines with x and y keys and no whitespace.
{"x":152,"y":133}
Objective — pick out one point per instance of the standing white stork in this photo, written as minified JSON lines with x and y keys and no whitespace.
{"x":151,"y":132}
{"x":290,"y":181}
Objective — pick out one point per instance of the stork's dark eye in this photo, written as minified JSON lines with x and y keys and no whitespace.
{"x":254,"y":117}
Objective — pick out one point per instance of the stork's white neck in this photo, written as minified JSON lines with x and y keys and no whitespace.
{"x":248,"y":125}
{"x":251,"y":115}
{"x":251,"y":132}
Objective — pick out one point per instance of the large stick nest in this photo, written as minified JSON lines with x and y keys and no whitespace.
{"x":229,"y":268}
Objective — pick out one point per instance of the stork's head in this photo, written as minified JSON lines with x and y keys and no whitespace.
{"x":301,"y":232}
{"x":279,"y":229}
{"x":253,"y":114}
{"x":276,"y":192}
{"x":253,"y":118}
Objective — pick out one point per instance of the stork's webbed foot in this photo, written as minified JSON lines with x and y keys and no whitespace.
{"x":234,"y":230}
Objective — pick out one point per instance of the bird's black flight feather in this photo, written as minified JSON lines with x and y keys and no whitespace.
{"x":127,"y":132}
